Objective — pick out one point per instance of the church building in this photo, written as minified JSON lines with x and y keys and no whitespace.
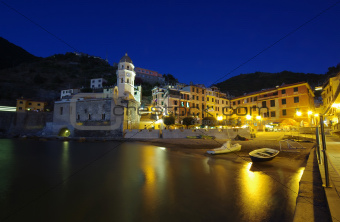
{"x":92,"y":114}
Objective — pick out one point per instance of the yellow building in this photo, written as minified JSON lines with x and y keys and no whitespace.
{"x":331,"y":102}
{"x":24,"y":105}
{"x":290,"y":103}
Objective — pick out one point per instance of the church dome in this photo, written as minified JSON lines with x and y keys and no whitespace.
{"x":126,"y":58}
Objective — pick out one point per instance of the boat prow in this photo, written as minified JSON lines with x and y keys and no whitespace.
{"x":225,"y":148}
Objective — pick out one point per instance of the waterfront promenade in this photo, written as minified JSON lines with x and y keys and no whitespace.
{"x":333,"y":192}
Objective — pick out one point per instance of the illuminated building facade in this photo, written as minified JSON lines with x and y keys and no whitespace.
{"x":275,"y":105}
{"x":24,"y":105}
{"x":331,"y":102}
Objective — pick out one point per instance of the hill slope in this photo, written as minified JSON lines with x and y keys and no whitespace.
{"x":12,"y":55}
{"x":246,"y":83}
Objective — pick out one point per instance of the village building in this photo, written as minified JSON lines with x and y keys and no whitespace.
{"x":107,"y":113}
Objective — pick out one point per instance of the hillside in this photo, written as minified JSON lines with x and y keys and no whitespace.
{"x":43,"y":79}
{"x":246,"y":83}
{"x":12,"y":55}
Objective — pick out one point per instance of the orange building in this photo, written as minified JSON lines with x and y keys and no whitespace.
{"x":30,"y":105}
{"x":290,"y":102}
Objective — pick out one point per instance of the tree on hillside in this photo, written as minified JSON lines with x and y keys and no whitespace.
{"x":170,"y":79}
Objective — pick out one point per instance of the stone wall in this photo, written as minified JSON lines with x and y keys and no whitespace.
{"x":6,"y":120}
{"x":29,"y":122}
{"x":141,"y":134}
{"x":217,"y":133}
{"x":183,"y":133}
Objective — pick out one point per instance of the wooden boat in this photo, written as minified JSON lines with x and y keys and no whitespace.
{"x":264,"y":154}
{"x":225,"y":148}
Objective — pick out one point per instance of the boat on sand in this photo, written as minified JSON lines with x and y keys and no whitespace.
{"x":225,"y":148}
{"x":264,"y":154}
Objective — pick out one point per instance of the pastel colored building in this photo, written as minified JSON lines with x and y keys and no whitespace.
{"x":24,"y":105}
{"x":286,"y":102}
{"x":331,"y":103}
{"x":148,"y":75}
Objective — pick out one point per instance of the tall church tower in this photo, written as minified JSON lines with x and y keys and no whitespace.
{"x":125,"y":77}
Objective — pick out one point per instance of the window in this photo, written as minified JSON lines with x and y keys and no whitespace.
{"x":162,"y":103}
{"x":264,"y":104}
{"x":92,"y":81}
{"x":283,"y":101}
{"x":202,"y":98}
{"x":255,"y":98}
{"x":196,"y":97}
{"x":175,"y":102}
{"x":61,"y":110}
{"x":296,"y":89}
{"x":121,"y":80}
{"x":193,"y":89}
{"x":85,"y":111}
{"x":212,"y":100}
{"x":284,"y":112}
{"x":162,"y":95}
{"x":222,"y":101}
{"x":98,"y":85}
{"x":20,"y":108}
{"x":103,"y":116}
{"x":78,"y":117}
{"x":38,"y":104}
{"x":296,"y":99}
{"x":182,"y":104}
{"x":283,"y":91}
{"x":207,"y":98}
{"x":197,"y":90}
{"x":20,"y":102}
{"x":99,"y":80}
{"x":89,"y":116}
{"x":272,"y":113}
{"x":272,"y":103}
{"x":234,"y":103}
{"x":202,"y":91}
{"x":238,"y":102}
{"x":128,"y":67}
{"x":265,"y":115}
{"x":127,"y":80}
{"x":29,"y":103}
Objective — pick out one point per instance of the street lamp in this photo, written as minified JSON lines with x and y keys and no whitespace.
{"x":298,"y":113}
{"x":248,"y":117}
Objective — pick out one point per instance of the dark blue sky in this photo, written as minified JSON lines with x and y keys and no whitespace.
{"x":198,"y":41}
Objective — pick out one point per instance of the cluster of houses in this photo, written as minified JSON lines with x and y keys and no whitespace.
{"x":111,"y":110}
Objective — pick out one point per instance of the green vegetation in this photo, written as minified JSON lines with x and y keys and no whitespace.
{"x":187,"y":121}
{"x":169,"y":120}
{"x":209,"y":121}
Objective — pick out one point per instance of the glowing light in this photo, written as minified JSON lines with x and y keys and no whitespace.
{"x":336,"y":105}
{"x":310,"y":112}
{"x":7,"y":108}
{"x":258,"y":117}
{"x":298,"y":113}
{"x":316,"y":115}
{"x":248,"y":116}
{"x":219,"y":118}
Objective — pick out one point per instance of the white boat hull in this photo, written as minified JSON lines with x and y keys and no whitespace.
{"x":225,"y":149}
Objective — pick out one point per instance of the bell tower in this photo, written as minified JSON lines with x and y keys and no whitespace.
{"x":125,"y":77}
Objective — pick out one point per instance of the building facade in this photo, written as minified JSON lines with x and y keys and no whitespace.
{"x":286,"y":102}
{"x":149,"y":76}
{"x":24,"y":105}
{"x":331,"y":103}
{"x":101,"y":114}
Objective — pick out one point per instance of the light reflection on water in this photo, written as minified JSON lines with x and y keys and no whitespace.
{"x":142,"y":182}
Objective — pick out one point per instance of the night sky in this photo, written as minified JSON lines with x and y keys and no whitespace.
{"x":199,"y":41}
